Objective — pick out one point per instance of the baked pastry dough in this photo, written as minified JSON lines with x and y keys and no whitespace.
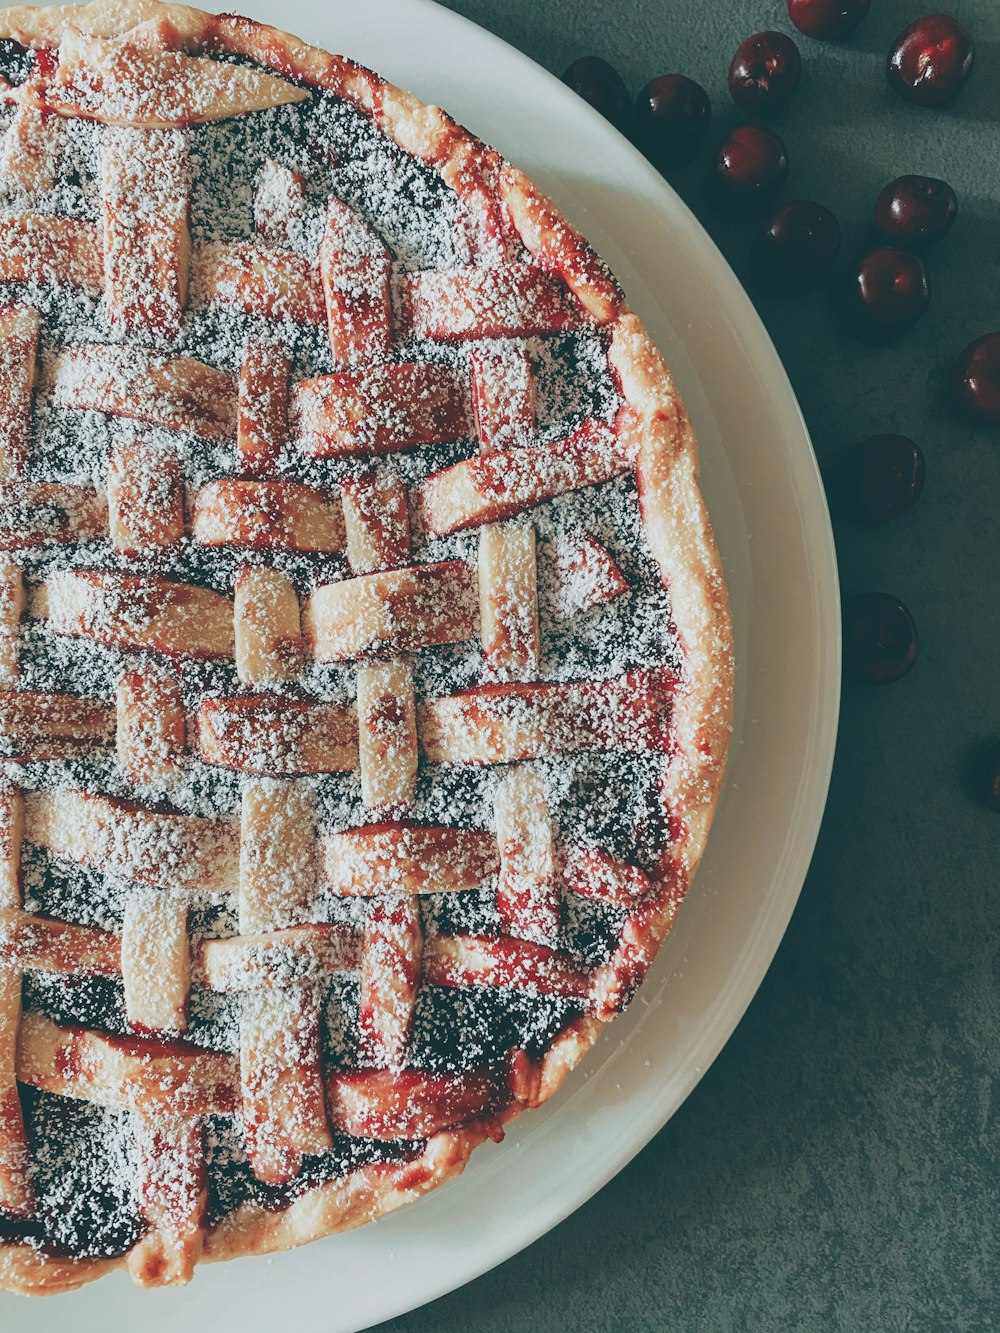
{"x":365,"y":658}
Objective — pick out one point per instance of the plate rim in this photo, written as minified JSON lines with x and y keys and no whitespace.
{"x":823,"y":735}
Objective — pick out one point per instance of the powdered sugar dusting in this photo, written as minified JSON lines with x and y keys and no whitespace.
{"x":265,"y":180}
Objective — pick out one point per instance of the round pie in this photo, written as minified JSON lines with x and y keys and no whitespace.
{"x":365,"y":657}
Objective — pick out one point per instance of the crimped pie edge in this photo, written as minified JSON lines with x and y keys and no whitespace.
{"x":675,"y":523}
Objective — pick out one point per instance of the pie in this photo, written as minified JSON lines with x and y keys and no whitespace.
{"x":365,"y":657}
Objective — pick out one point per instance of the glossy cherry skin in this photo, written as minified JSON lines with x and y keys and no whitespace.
{"x":883,"y":477}
{"x":884,"y":294}
{"x":830,"y":20}
{"x":672,"y":114}
{"x":750,"y":166}
{"x":915,"y":211}
{"x":796,"y":246}
{"x":975,"y":379}
{"x":15,"y":61}
{"x":764,"y":72}
{"x":930,"y":60}
{"x":602,"y":86}
{"x":880,"y":639}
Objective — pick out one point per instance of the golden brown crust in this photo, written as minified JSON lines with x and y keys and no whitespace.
{"x":504,"y":206}
{"x":345,"y":1204}
{"x":29,"y":1273}
{"x":326,"y":1209}
{"x":680,"y":536}
{"x":47,"y":26}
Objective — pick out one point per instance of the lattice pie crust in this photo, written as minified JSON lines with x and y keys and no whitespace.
{"x":365,"y":662}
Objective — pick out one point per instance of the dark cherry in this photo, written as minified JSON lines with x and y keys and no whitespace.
{"x":829,"y":20}
{"x":672,"y":114}
{"x":930,"y":60}
{"x":15,"y":60}
{"x":915,"y":211}
{"x":750,"y":166}
{"x":975,"y":378}
{"x":796,"y":246}
{"x":880,"y":639}
{"x":884,"y":294}
{"x":602,"y":86}
{"x":883,"y":477}
{"x":991,"y":777}
{"x":764,"y":72}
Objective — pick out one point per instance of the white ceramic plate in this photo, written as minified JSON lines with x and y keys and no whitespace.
{"x":768,"y":508}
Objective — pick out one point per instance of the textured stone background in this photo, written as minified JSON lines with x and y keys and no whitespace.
{"x":836,"y":1169}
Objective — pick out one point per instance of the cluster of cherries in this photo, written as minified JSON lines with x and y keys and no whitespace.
{"x":882,"y":293}
{"x":887,"y":288}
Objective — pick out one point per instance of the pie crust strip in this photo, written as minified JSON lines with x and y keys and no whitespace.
{"x":653,"y":434}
